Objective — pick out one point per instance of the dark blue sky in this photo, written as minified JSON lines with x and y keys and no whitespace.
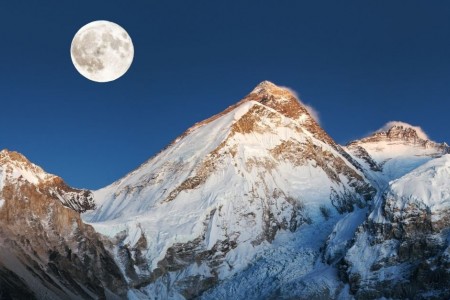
{"x":359,"y":63}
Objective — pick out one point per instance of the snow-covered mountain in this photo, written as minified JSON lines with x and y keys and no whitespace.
{"x":202,"y":209}
{"x":256,"y":202}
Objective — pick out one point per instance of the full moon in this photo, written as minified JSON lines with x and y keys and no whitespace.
{"x":102,"y":51}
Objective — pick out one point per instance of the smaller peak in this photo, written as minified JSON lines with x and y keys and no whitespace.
{"x":400,"y":129}
{"x":17,"y":165}
{"x":401,"y":132}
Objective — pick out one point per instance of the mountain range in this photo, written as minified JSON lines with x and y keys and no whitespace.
{"x":256,"y":202}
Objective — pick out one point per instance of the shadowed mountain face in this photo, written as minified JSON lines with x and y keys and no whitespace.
{"x":255,"y":202}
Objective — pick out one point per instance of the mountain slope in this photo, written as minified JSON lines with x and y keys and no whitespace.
{"x":46,"y":251}
{"x":203,"y":208}
{"x":381,"y":254}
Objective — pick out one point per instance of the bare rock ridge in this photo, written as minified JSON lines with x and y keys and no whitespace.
{"x":46,"y":251}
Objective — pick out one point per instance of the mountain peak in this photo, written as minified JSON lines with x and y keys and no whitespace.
{"x":267,"y":89}
{"x":402,"y":133}
{"x":278,"y":98}
{"x":397,"y":131}
{"x":286,"y":102}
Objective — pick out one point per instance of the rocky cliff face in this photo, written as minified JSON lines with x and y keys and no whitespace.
{"x":46,"y":251}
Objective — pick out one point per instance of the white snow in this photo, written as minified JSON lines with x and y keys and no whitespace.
{"x":363,"y":255}
{"x":343,"y":232}
{"x":397,"y":158}
{"x":290,"y":267}
{"x":428,"y":185}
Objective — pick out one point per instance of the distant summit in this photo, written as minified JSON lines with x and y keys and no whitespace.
{"x":395,"y":149}
{"x":400,"y":132}
{"x":399,"y":124}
